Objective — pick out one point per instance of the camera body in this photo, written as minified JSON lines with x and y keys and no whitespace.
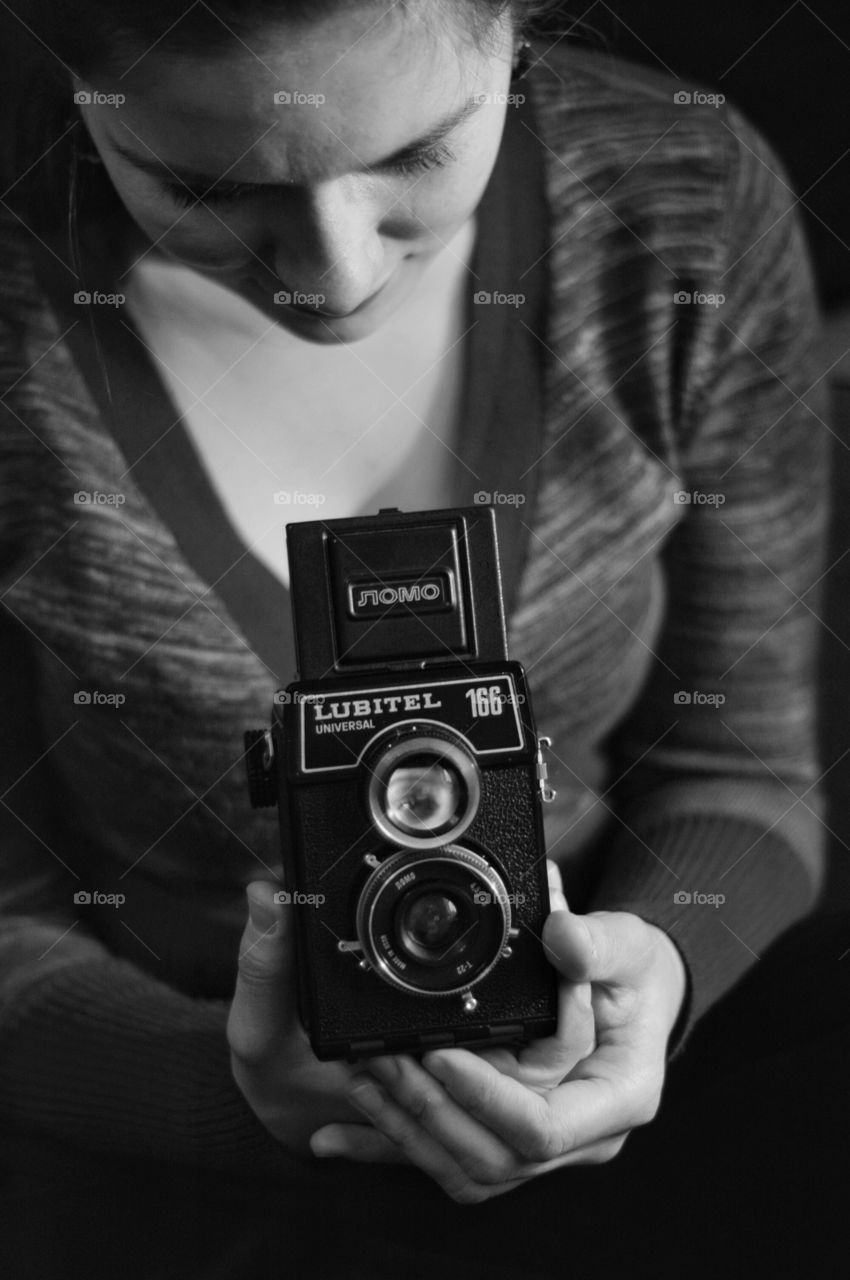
{"x":409,"y":781}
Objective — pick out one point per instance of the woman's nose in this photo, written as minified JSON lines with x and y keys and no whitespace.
{"x":331,"y":248}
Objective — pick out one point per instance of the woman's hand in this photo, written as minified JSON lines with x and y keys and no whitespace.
{"x":289,"y":1090}
{"x":481,"y":1124}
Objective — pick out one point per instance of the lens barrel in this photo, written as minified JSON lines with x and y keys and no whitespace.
{"x":434,"y":925}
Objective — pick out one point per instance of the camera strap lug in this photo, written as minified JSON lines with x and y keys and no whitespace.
{"x":547,"y":792}
{"x":260,"y":767}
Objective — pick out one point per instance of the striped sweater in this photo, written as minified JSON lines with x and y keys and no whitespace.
{"x":664,"y":606}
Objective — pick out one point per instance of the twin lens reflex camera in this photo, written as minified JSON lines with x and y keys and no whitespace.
{"x":409,"y":781}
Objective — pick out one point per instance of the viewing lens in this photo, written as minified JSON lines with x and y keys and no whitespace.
{"x":423,"y":796}
{"x":423,"y":790}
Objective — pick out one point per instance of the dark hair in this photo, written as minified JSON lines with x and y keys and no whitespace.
{"x":89,"y":35}
{"x":46,"y":43}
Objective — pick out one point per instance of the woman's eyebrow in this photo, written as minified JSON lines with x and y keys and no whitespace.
{"x":192,"y":178}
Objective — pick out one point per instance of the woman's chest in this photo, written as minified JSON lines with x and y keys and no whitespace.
{"x":287,"y":430}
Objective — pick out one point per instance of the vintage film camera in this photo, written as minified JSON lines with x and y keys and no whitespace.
{"x":410,"y":782}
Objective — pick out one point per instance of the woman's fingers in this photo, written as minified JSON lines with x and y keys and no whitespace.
{"x":610,"y":947}
{"x":356,"y":1142}
{"x":611,"y":1095}
{"x":557,"y":901}
{"x":474,"y":1148}
{"x":263,"y":1009}
{"x":412,"y":1125}
{"x":485,"y":1124}
{"x":543,"y":1064}
{"x":468,"y":1176}
{"x":480,"y":1123}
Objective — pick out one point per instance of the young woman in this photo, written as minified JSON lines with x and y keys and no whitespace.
{"x":269,"y":260}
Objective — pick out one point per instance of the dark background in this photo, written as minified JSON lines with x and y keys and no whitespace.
{"x":785,"y":63}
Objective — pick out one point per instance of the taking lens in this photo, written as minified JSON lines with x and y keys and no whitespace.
{"x":430,"y":925}
{"x":434,"y":924}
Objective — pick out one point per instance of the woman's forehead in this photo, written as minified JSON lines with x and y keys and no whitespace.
{"x":349,"y":52}
{"x":300,"y":104}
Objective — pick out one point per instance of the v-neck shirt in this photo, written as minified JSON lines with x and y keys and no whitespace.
{"x":286,"y":427}
{"x":501,"y":417}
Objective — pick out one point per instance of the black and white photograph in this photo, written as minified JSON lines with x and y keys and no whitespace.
{"x":424,"y":639}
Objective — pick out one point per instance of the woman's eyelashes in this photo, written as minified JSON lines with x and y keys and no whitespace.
{"x":184,"y":196}
{"x":229,"y":193}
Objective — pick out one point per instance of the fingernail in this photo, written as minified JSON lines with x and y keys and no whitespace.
{"x":367,"y":1097}
{"x":262,"y":917}
{"x":435,"y":1065}
{"x":386,"y":1069}
{"x":325,"y":1145}
{"x":584,"y":995}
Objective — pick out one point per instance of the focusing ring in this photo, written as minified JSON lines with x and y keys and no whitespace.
{"x":455,"y":870}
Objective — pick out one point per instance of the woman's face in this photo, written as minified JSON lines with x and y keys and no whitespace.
{"x":330,"y":162}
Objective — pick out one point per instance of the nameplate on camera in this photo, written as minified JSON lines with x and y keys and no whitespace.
{"x":336,"y":728}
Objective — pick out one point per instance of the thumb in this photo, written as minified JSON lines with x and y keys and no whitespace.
{"x":604,"y":946}
{"x":263,"y":1007}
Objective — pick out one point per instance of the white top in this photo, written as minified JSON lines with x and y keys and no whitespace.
{"x":288,"y":429}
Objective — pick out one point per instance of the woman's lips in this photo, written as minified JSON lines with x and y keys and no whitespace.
{"x":318,"y":312}
{"x":340,"y":315}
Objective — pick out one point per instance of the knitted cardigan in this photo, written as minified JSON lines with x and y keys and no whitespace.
{"x":676,"y":360}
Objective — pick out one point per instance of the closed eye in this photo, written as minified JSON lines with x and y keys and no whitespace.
{"x":229,"y":193}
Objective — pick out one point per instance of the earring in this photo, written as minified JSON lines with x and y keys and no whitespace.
{"x":522,"y":63}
